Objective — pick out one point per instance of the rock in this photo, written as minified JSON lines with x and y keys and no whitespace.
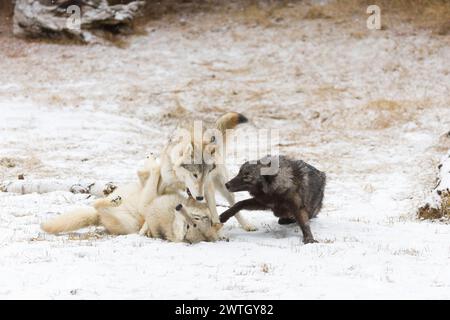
{"x":77,"y":19}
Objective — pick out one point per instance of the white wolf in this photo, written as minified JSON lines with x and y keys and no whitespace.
{"x":119,"y":213}
{"x":183,"y":165}
{"x":187,"y":220}
{"x":131,"y":209}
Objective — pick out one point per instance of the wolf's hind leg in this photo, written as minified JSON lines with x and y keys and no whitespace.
{"x":303,"y":220}
{"x":107,"y":202}
{"x":150,"y":190}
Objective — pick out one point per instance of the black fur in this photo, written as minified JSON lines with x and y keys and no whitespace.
{"x":295,"y":192}
{"x":242,"y":118}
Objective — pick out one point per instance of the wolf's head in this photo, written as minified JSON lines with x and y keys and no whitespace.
{"x":199,"y":226}
{"x":254,"y":176}
{"x":194,"y":175}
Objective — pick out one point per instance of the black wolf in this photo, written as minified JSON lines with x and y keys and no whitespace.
{"x":295,"y":193}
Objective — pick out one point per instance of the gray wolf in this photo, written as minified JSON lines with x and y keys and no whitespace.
{"x":295,"y":193}
{"x":200,"y":178}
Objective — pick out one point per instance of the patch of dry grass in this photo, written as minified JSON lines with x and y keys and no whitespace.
{"x":443,"y":211}
{"x":90,"y":235}
{"x":177,"y":112}
{"x":7,"y":162}
{"x":378,"y":114}
{"x":316,"y":12}
{"x":328,"y":92}
{"x":386,"y":113}
{"x":427,"y":14}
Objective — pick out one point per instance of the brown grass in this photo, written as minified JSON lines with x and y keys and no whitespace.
{"x":386,"y":113}
{"x":378,"y":114}
{"x":427,"y":212}
{"x":433,"y":15}
{"x":316,"y":12}
{"x":7,"y":162}
{"x":424,"y":14}
{"x":90,"y":235}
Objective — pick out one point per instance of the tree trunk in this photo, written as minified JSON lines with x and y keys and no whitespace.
{"x":97,"y":188}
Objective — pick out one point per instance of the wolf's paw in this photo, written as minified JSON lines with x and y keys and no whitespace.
{"x":249,"y":228}
{"x":283,"y":221}
{"x":117,"y":201}
{"x":309,"y":240}
{"x":109,"y":188}
{"x":223,"y":238}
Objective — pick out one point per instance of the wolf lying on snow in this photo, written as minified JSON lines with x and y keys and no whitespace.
{"x":295,"y":193}
{"x":188,"y":220}
{"x":131,"y":209}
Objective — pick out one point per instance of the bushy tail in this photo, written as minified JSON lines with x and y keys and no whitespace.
{"x":229,"y":121}
{"x":72,"y":221}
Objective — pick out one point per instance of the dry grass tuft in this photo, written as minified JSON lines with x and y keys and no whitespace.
{"x":90,"y":235}
{"x":428,"y":212}
{"x":383,"y":114}
{"x":7,"y":162}
{"x":176,"y":112}
{"x":443,"y":29}
{"x":316,"y":12}
{"x":379,"y":114}
{"x":265,"y":268}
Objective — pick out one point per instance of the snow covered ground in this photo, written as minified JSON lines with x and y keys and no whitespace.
{"x":367,"y":108}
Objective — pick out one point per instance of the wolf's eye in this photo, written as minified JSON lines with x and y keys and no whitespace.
{"x":195,"y":176}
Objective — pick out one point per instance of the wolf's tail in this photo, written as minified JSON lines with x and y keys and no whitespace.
{"x":229,"y":121}
{"x":71,"y":221}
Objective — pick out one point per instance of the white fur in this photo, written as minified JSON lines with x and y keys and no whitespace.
{"x":163,"y":221}
{"x":133,"y":208}
{"x":119,"y":213}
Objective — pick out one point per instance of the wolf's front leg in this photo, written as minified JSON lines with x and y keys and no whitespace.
{"x":220,"y":185}
{"x":249,"y":204}
{"x":210,"y":198}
